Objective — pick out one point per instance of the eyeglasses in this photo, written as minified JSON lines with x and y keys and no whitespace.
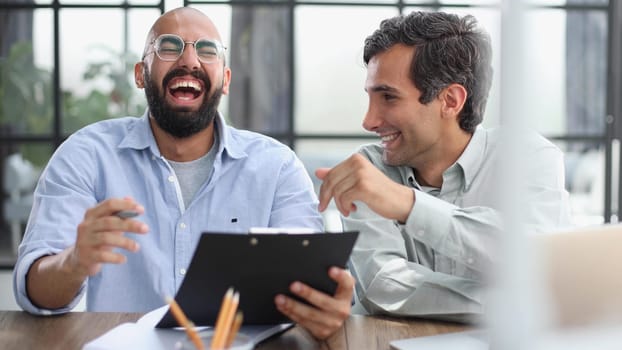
{"x":169,"y":47}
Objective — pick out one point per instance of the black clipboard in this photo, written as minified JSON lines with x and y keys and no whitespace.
{"x":258,"y":266}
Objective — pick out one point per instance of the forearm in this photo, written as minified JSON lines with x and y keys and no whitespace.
{"x":404,"y":288}
{"x":398,"y":275}
{"x":468,"y":236}
{"x":52,"y":282}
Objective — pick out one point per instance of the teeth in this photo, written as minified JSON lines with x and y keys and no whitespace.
{"x":186,"y":84}
{"x":387,"y":138}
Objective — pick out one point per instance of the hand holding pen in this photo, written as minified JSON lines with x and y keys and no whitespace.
{"x":101,"y":231}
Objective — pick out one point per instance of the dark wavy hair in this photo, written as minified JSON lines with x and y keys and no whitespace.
{"x":448,"y":49}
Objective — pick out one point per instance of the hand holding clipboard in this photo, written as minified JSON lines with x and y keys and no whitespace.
{"x":261,"y":266}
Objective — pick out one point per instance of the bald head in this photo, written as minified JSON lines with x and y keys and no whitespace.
{"x":189,"y":23}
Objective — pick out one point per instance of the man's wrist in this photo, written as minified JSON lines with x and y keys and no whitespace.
{"x":69,"y":265}
{"x":408,"y":205}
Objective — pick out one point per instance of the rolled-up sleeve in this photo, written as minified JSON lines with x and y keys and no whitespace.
{"x":19,"y":285}
{"x":60,"y":200}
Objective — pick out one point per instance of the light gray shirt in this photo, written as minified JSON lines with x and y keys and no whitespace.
{"x":191,"y":175}
{"x":436,"y":264}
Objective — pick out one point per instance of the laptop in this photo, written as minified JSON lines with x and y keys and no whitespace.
{"x":581,"y":269}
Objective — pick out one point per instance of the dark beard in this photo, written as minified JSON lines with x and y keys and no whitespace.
{"x":180,"y":123}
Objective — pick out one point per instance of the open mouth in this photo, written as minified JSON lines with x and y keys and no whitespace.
{"x":185,"y":91}
{"x":388,"y":139}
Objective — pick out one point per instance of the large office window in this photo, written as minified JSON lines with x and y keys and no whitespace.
{"x":63,"y":64}
{"x":298,"y":76}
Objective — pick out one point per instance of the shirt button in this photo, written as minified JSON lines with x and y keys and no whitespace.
{"x":420,"y":233}
{"x":171,"y":178}
{"x":182,"y":225}
{"x":470,"y":261}
{"x":152,"y":157}
{"x":182,"y":271}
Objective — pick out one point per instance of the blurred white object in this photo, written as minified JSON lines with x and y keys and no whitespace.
{"x":581,"y":268}
{"x":332,"y":219}
{"x":20,"y":178}
{"x":601,"y":338}
{"x":587,"y":186}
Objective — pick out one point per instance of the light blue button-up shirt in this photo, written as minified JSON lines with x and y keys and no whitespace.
{"x":255,"y":182}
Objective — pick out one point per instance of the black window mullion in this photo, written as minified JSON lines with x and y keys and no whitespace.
{"x":614,"y":102}
{"x":291,"y":132}
{"x":57,"y":116}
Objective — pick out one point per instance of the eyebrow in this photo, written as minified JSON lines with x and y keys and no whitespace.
{"x":382,"y":88}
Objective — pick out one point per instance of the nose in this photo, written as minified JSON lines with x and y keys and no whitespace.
{"x":189,"y":58}
{"x":372,"y":119}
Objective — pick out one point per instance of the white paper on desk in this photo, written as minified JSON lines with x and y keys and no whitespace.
{"x":466,"y":340}
{"x":144,"y":335}
{"x":152,"y":318}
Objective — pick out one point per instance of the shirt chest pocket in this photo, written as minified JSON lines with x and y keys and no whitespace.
{"x":229,"y":217}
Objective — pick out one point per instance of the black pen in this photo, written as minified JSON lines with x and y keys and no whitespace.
{"x":126,"y":214}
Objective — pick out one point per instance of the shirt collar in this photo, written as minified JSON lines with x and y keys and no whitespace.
{"x":233,"y":149}
{"x":471,"y":159}
{"x":140,"y":136}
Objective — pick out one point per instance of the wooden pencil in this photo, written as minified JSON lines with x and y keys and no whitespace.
{"x":184,"y":322}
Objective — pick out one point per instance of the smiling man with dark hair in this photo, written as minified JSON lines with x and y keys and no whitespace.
{"x":423,"y":198}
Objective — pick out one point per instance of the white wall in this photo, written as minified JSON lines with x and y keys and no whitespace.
{"x":7,"y":302}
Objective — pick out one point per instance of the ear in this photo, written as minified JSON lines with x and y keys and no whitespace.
{"x":226,"y":80}
{"x":453,"y":98}
{"x":139,"y":77}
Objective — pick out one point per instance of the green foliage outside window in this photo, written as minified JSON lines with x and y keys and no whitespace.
{"x":27,"y":100}
{"x":121,"y":100}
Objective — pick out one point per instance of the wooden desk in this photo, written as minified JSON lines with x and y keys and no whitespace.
{"x":19,"y":330}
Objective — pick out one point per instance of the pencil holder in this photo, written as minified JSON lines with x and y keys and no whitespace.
{"x":241,"y":342}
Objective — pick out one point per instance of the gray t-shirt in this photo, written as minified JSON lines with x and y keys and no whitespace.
{"x":191,"y":175}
